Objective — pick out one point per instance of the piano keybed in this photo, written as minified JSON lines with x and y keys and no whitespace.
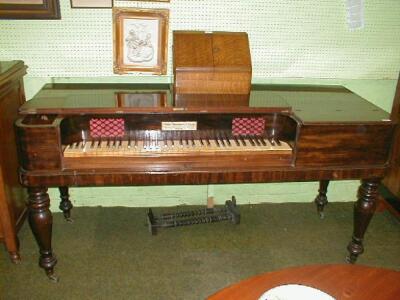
{"x":151,"y":142}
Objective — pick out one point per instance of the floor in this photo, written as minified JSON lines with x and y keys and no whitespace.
{"x":108,"y":253}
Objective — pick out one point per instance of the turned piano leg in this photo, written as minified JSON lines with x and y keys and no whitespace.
{"x":364,"y":209}
{"x":322,"y":200}
{"x":65,"y":204}
{"x":41,"y":221}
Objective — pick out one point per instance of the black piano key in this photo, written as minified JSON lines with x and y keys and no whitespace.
{"x":221,"y":139}
{"x":216,"y":142}
{"x":192,"y":139}
{"x":130,"y":139}
{"x":251,"y":141}
{"x":222,"y":142}
{"x":150,"y":142}
{"x":271,"y":140}
{"x":227,"y":140}
{"x":172,"y":140}
{"x":165,"y":140}
{"x":200,"y":138}
{"x":184,"y":139}
{"x":262,"y":141}
{"x":236,"y":141}
{"x":157,"y":143}
{"x":146,"y":141}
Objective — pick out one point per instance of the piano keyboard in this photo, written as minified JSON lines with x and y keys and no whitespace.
{"x":153,"y":144}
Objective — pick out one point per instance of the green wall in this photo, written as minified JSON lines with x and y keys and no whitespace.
{"x":300,"y":41}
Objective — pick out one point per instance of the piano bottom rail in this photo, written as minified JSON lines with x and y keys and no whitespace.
{"x":40,"y":220}
{"x":112,"y":177}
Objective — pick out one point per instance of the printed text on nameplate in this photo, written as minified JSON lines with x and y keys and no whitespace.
{"x":171,"y":126}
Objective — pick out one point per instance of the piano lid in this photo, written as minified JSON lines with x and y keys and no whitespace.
{"x":308,"y":103}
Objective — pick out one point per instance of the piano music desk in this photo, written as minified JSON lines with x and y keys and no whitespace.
{"x":280,"y":134}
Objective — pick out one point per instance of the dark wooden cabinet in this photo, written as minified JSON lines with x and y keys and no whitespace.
{"x":392,"y":179}
{"x":12,"y":195}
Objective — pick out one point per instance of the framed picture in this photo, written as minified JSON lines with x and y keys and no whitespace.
{"x":145,"y":99}
{"x":30,"y":9}
{"x":92,"y":3}
{"x":140,"y":40}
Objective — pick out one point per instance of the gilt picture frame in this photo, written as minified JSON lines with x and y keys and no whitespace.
{"x":92,"y":3}
{"x":30,"y":9}
{"x":140,"y":40}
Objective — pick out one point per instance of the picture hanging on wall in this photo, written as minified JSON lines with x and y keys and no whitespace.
{"x":140,"y":40}
{"x":30,"y":9}
{"x":92,"y":3}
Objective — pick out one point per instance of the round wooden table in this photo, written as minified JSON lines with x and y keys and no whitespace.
{"x":340,"y":281}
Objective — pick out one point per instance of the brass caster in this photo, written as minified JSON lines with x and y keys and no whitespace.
{"x":52,"y":277}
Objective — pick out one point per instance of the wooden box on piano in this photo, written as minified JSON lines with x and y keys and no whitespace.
{"x":211,"y":63}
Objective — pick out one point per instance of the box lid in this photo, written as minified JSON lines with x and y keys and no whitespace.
{"x":211,"y":51}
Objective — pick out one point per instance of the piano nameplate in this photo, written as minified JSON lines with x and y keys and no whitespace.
{"x":171,"y":126}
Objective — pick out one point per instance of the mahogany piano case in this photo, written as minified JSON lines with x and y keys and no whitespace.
{"x":118,"y":134}
{"x":211,"y":63}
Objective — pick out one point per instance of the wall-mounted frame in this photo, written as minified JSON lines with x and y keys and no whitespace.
{"x":92,"y":3}
{"x":30,"y":9}
{"x":140,"y":40}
